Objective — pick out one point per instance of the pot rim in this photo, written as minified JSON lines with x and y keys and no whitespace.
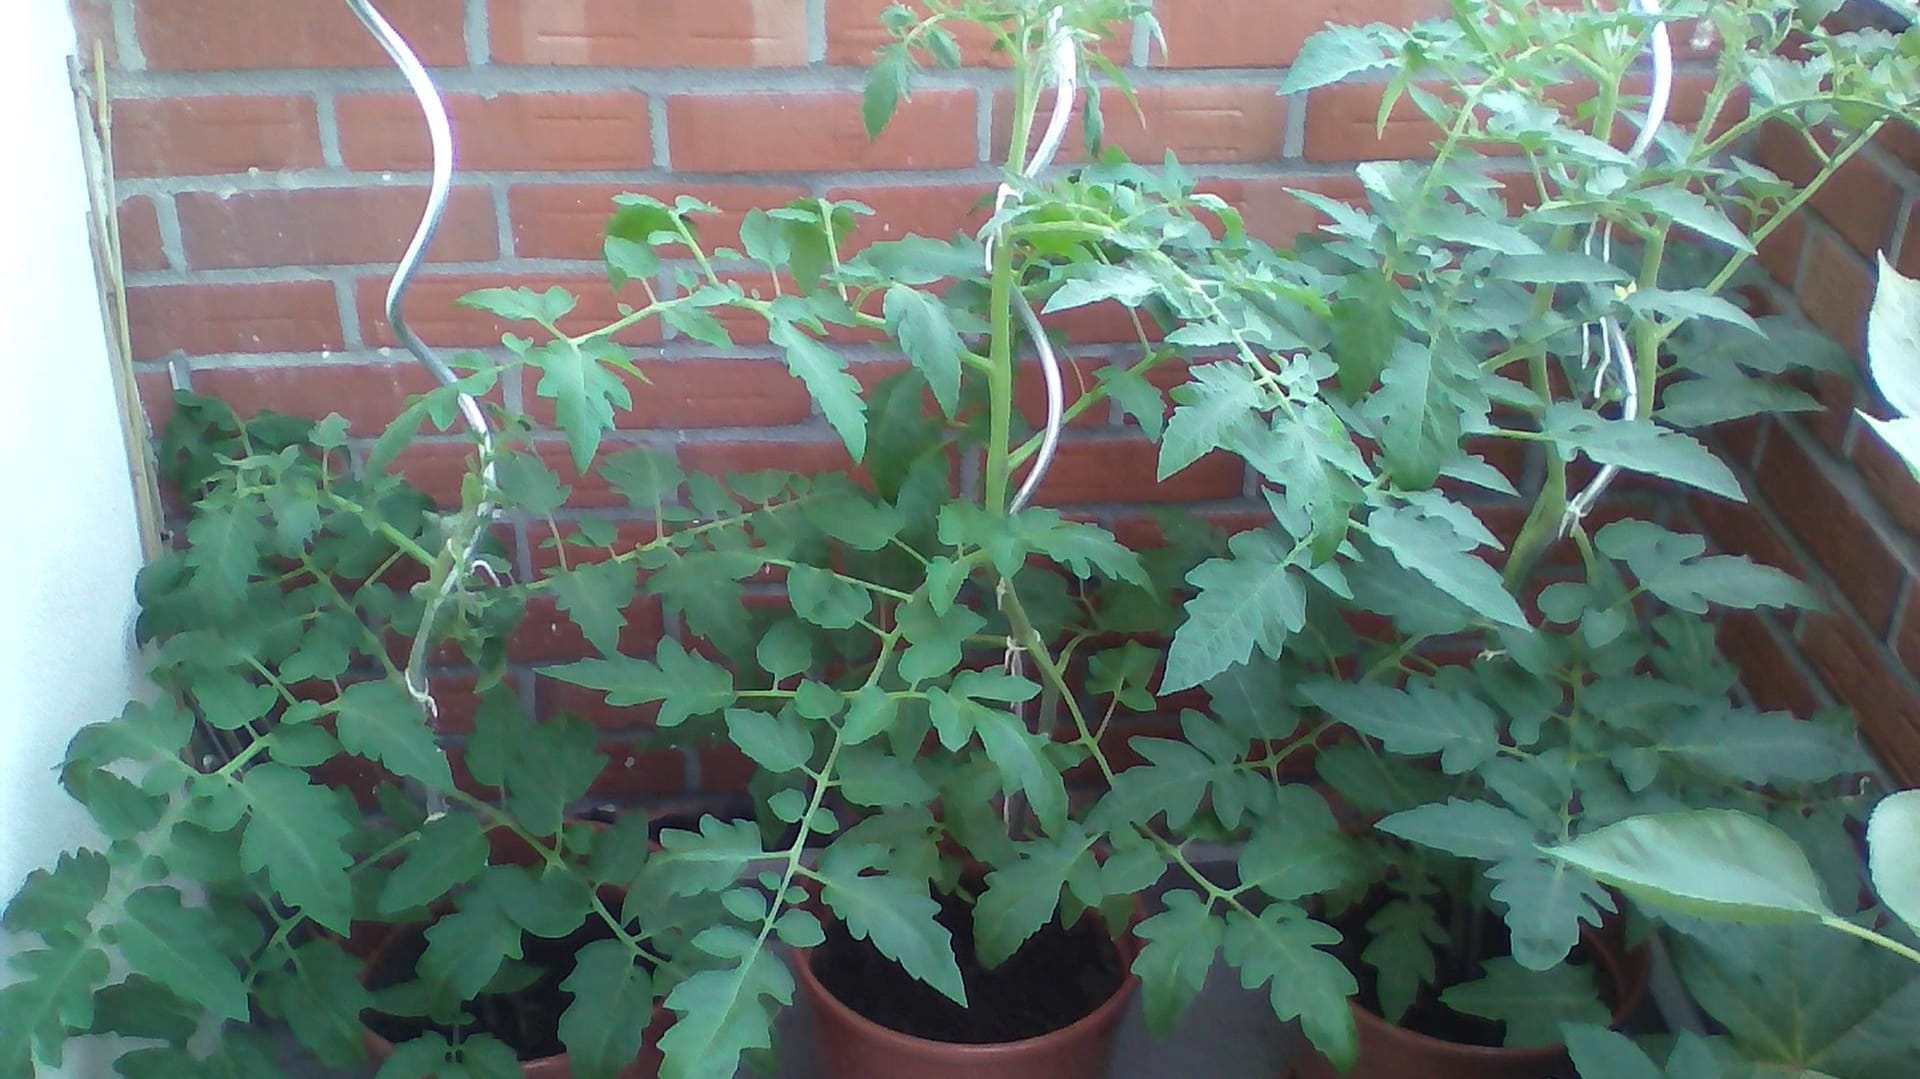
{"x":818,"y":994}
{"x":1613,"y":965}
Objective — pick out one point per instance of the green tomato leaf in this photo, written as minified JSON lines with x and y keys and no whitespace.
{"x":450,"y":851}
{"x":899,"y":918}
{"x":605,"y":1026}
{"x":825,"y":374}
{"x":169,"y":943}
{"x":1532,"y":1003}
{"x":926,"y":334}
{"x":1179,"y":949}
{"x":295,"y":833}
{"x":1285,"y":948}
{"x":381,"y":722}
{"x":595,"y":595}
{"x":1024,"y":894}
{"x":1714,"y":863}
{"x":1252,"y":599}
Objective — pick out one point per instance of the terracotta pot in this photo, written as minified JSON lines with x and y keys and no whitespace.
{"x":1392,"y":1052}
{"x":851,"y":1046}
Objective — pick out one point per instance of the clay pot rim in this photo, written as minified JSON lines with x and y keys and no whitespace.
{"x":1612,"y":962}
{"x":979,"y":1053}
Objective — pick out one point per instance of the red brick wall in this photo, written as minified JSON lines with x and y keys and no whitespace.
{"x":271,"y":168}
{"x":1831,"y":503}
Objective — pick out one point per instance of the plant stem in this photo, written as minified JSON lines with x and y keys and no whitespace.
{"x":1872,"y":937}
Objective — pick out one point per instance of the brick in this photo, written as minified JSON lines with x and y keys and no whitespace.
{"x":140,"y":245}
{"x":1902,"y":141}
{"x":1836,"y":289}
{"x":1781,"y":251}
{"x":1340,"y":126}
{"x":1738,"y":528}
{"x":93,"y":24}
{"x":1259,"y":33}
{"x":435,"y":315}
{"x":933,"y":210}
{"x":1271,"y":212}
{"x":1861,"y":201}
{"x":569,"y":221}
{"x":1766,"y":670}
{"x":202,"y":320}
{"x":1076,"y":377}
{"x":371,"y":395}
{"x":1908,"y":258}
{"x":807,"y":458}
{"x":1124,"y":470}
{"x":1230,"y":123}
{"x":1888,"y":477}
{"x":632,"y":772}
{"x":704,"y":393}
{"x":1858,"y":671}
{"x":561,"y":132}
{"x":156,"y":398}
{"x":1832,"y":529}
{"x":819,"y":132}
{"x":215,"y":35}
{"x":667,"y":33}
{"x":330,"y":226}
{"x":206,"y":136}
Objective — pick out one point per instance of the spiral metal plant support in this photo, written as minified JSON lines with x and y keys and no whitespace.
{"x":1066,"y":74}
{"x":463,"y":544}
{"x":1616,"y":360}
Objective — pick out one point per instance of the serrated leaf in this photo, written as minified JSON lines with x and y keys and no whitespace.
{"x":595,"y":595}
{"x":1640,"y":446}
{"x":1250,"y":600}
{"x":1291,"y":863}
{"x":1695,"y":212}
{"x":1532,"y":1003}
{"x":553,"y":765}
{"x":465,"y":949}
{"x":1138,"y":398}
{"x":710,"y":860}
{"x":295,"y":833}
{"x":724,"y":1012}
{"x":822,"y":598}
{"x":1020,"y":755}
{"x":1400,"y":946}
{"x":168,"y":942}
{"x":1468,"y":829}
{"x":1179,"y":949}
{"x":1024,"y":894}
{"x":1333,"y":54}
{"x":926,"y":334}
{"x":60,"y":900}
{"x":898,"y":917}
{"x":684,"y":684}
{"x":320,"y":996}
{"x":1213,"y":411}
{"x":584,"y":392}
{"x":833,"y":389}
{"x":223,"y":550}
{"x":1546,"y":905}
{"x":605,"y":1026}
{"x":1308,"y":983}
{"x":1432,"y":547}
{"x":1599,"y":1053}
{"x":54,"y":998}
{"x":450,"y":851}
{"x":775,"y":743}
{"x":381,"y":722}
{"x":1416,"y":721}
{"x":645,"y":478}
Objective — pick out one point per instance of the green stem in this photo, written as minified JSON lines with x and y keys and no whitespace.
{"x":1872,"y":937}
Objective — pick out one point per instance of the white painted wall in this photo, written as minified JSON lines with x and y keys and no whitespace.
{"x":68,"y":546}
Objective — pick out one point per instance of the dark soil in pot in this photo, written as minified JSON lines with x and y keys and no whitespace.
{"x":1059,"y":977}
{"x":527,"y":1017}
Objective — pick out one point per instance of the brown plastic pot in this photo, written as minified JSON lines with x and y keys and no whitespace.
{"x":1392,"y":1052}
{"x":851,"y":1046}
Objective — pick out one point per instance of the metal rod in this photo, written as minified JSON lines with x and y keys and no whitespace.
{"x":464,"y":545}
{"x":1616,"y":353}
{"x":1066,"y":72}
